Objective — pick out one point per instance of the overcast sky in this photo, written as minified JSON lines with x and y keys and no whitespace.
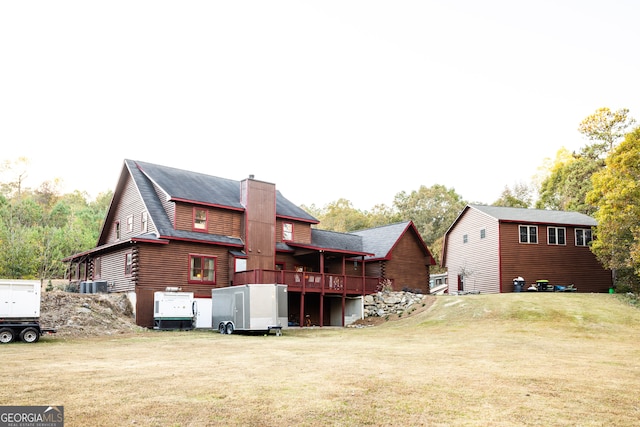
{"x":327,"y":99}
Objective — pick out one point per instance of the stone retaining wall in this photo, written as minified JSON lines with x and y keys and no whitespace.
{"x":385,"y":303}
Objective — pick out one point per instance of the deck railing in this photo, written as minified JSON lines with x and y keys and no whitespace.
{"x":311,"y":282}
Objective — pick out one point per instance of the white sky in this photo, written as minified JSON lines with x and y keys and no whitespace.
{"x":327,"y":99}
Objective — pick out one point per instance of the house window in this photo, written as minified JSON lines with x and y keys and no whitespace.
{"x":144,"y":221}
{"x":556,"y":235}
{"x":241,"y":264}
{"x":130,"y":223}
{"x":202,"y":269}
{"x":128,"y":263}
{"x":483,"y":233}
{"x":287,"y":231}
{"x":117,"y":230}
{"x":97,"y":268}
{"x":583,"y":236}
{"x":199,"y":219}
{"x":528,"y":234}
{"x":465,"y":238}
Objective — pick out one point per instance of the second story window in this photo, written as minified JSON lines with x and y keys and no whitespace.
{"x":556,"y":235}
{"x":528,"y":234}
{"x":199,"y":219}
{"x":144,"y":221}
{"x":483,"y":233}
{"x":130,"y":224}
{"x":117,"y":230}
{"x":287,"y":231}
{"x":583,"y":236}
{"x":465,"y":238}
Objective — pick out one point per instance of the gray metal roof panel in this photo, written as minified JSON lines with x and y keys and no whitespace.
{"x":208,"y":189}
{"x":333,"y":240}
{"x":540,"y":216}
{"x":380,"y":240}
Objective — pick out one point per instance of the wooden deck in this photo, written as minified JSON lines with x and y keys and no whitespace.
{"x":311,"y":282}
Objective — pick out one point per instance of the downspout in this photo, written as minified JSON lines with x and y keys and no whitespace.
{"x":322,"y":288}
{"x":364,"y":290}
{"x":499,"y":257}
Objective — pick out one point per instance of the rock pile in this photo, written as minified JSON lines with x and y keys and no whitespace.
{"x":387,"y":303}
{"x":74,"y":314}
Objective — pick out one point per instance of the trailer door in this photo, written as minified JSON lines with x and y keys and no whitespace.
{"x":238,"y":315}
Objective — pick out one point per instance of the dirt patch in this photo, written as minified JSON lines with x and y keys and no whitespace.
{"x":75,"y":315}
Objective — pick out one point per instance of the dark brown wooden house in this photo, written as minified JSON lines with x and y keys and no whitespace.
{"x":487,"y":247}
{"x":168,"y":227}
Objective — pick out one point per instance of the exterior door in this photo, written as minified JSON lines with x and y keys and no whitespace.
{"x":460,"y":282}
{"x":238,"y":315}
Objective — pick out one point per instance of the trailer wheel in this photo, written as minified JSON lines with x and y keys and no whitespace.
{"x":6,"y":335}
{"x":221,"y":328}
{"x":29,"y":335}
{"x":229,"y":328}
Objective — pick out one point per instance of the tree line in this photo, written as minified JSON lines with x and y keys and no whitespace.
{"x":39,"y":227}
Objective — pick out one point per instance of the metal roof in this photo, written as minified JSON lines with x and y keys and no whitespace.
{"x":207,"y":189}
{"x":380,"y":240}
{"x":538,"y":216}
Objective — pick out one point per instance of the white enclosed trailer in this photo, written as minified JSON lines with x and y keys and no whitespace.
{"x":20,"y":311}
{"x":254,"y":307}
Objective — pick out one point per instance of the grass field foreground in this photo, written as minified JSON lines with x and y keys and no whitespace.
{"x":476,"y":360}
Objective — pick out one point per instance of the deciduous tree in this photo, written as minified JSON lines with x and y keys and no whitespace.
{"x":616,"y":192}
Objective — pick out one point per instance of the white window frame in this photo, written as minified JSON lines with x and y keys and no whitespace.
{"x":528,"y":227}
{"x":584,"y":231}
{"x":556,"y":236}
{"x":144,"y":221}
{"x":287,"y":231}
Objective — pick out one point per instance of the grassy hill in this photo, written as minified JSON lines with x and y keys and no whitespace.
{"x":476,"y":360}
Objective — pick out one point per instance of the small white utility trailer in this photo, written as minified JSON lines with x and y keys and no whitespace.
{"x":254,"y":307}
{"x":174,"y":310}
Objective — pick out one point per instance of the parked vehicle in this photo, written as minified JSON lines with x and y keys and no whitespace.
{"x":253,"y":307}
{"x":20,"y":311}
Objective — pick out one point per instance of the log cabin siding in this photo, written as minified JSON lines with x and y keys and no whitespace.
{"x":477,"y":260}
{"x":223,"y":222}
{"x":406,"y":254}
{"x":301,"y":231}
{"x":163,"y":266}
{"x":560,"y":264}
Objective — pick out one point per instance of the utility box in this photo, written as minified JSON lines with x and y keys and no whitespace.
{"x":253,"y":307}
{"x":19,"y":299}
{"x":174,"y":310}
